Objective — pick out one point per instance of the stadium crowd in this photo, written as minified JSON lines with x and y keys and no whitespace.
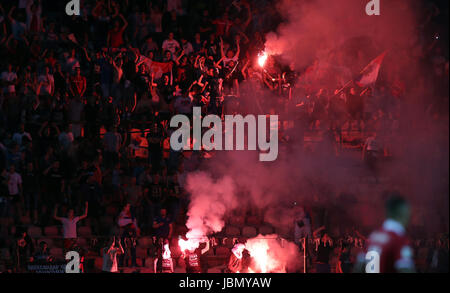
{"x":85,"y":104}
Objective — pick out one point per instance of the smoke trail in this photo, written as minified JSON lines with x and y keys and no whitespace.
{"x":210,"y":200}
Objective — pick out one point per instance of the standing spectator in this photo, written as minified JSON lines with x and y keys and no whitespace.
{"x":345,"y":265}
{"x":31,"y":191}
{"x":112,"y":142}
{"x":186,"y":46}
{"x":15,"y":191}
{"x":55,"y":184}
{"x":46,"y":83}
{"x":192,"y":258}
{"x":154,"y":138}
{"x":21,"y":251}
{"x":115,"y":36}
{"x":110,"y":256}
{"x":235,"y":261}
{"x":77,"y":84}
{"x":163,"y":262}
{"x":370,"y":154}
{"x":163,"y":225}
{"x":34,"y":21}
{"x":129,"y":243}
{"x":9,"y":81}
{"x":70,"y":226}
{"x":172,"y":45}
{"x":324,"y":250}
{"x":20,"y":134}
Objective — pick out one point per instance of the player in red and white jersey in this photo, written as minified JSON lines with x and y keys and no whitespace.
{"x":390,"y":242}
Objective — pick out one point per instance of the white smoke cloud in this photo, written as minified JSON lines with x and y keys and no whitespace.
{"x":210,"y":200}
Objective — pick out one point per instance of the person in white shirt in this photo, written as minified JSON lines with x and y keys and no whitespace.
{"x":46,"y":83}
{"x":18,"y":136}
{"x":171,"y":45}
{"x":187,"y":47}
{"x":66,"y":138}
{"x":9,"y":81}
{"x":34,"y":11}
{"x":110,"y":256}
{"x":15,"y":191}
{"x":70,"y":225}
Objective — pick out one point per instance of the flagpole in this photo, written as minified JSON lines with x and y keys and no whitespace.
{"x":304,"y":255}
{"x":365,"y":68}
{"x":344,"y":87}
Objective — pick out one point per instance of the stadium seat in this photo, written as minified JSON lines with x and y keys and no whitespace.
{"x":253,"y":221}
{"x":232,"y":231}
{"x":84,"y":231}
{"x":57,"y":252}
{"x":237,"y":221}
{"x":265,"y":230}
{"x":34,"y":232}
{"x":83,"y":242}
{"x":51,"y":231}
{"x":25,"y":220}
{"x":107,"y":221}
{"x":284,"y":232}
{"x":249,"y":232}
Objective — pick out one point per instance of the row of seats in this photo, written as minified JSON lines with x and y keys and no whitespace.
{"x":55,"y":231}
{"x":248,"y":231}
{"x":243,"y":221}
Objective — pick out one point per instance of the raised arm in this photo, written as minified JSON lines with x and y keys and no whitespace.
{"x":11,"y":11}
{"x":155,"y":263}
{"x":249,"y":17}
{"x":121,"y":248}
{"x":205,"y":250}
{"x":125,"y":22}
{"x":318,"y":230}
{"x":85,"y":212}
{"x":221,"y":48}
{"x":55,"y":214}
{"x":238,"y":47}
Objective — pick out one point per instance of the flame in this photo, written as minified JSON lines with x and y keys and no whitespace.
{"x":268,"y":254}
{"x":258,"y":249}
{"x":262,"y":58}
{"x":188,"y":244}
{"x":166,"y":253}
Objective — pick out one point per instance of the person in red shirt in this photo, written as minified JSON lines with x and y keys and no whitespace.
{"x":115,"y":36}
{"x":77,"y":84}
{"x":389,"y":244}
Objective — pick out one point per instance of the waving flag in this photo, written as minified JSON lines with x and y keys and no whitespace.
{"x":158,"y":68}
{"x":369,"y":75}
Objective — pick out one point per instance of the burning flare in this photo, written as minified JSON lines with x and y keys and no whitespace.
{"x":271,"y":254}
{"x":188,"y":244}
{"x":262,"y":58}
